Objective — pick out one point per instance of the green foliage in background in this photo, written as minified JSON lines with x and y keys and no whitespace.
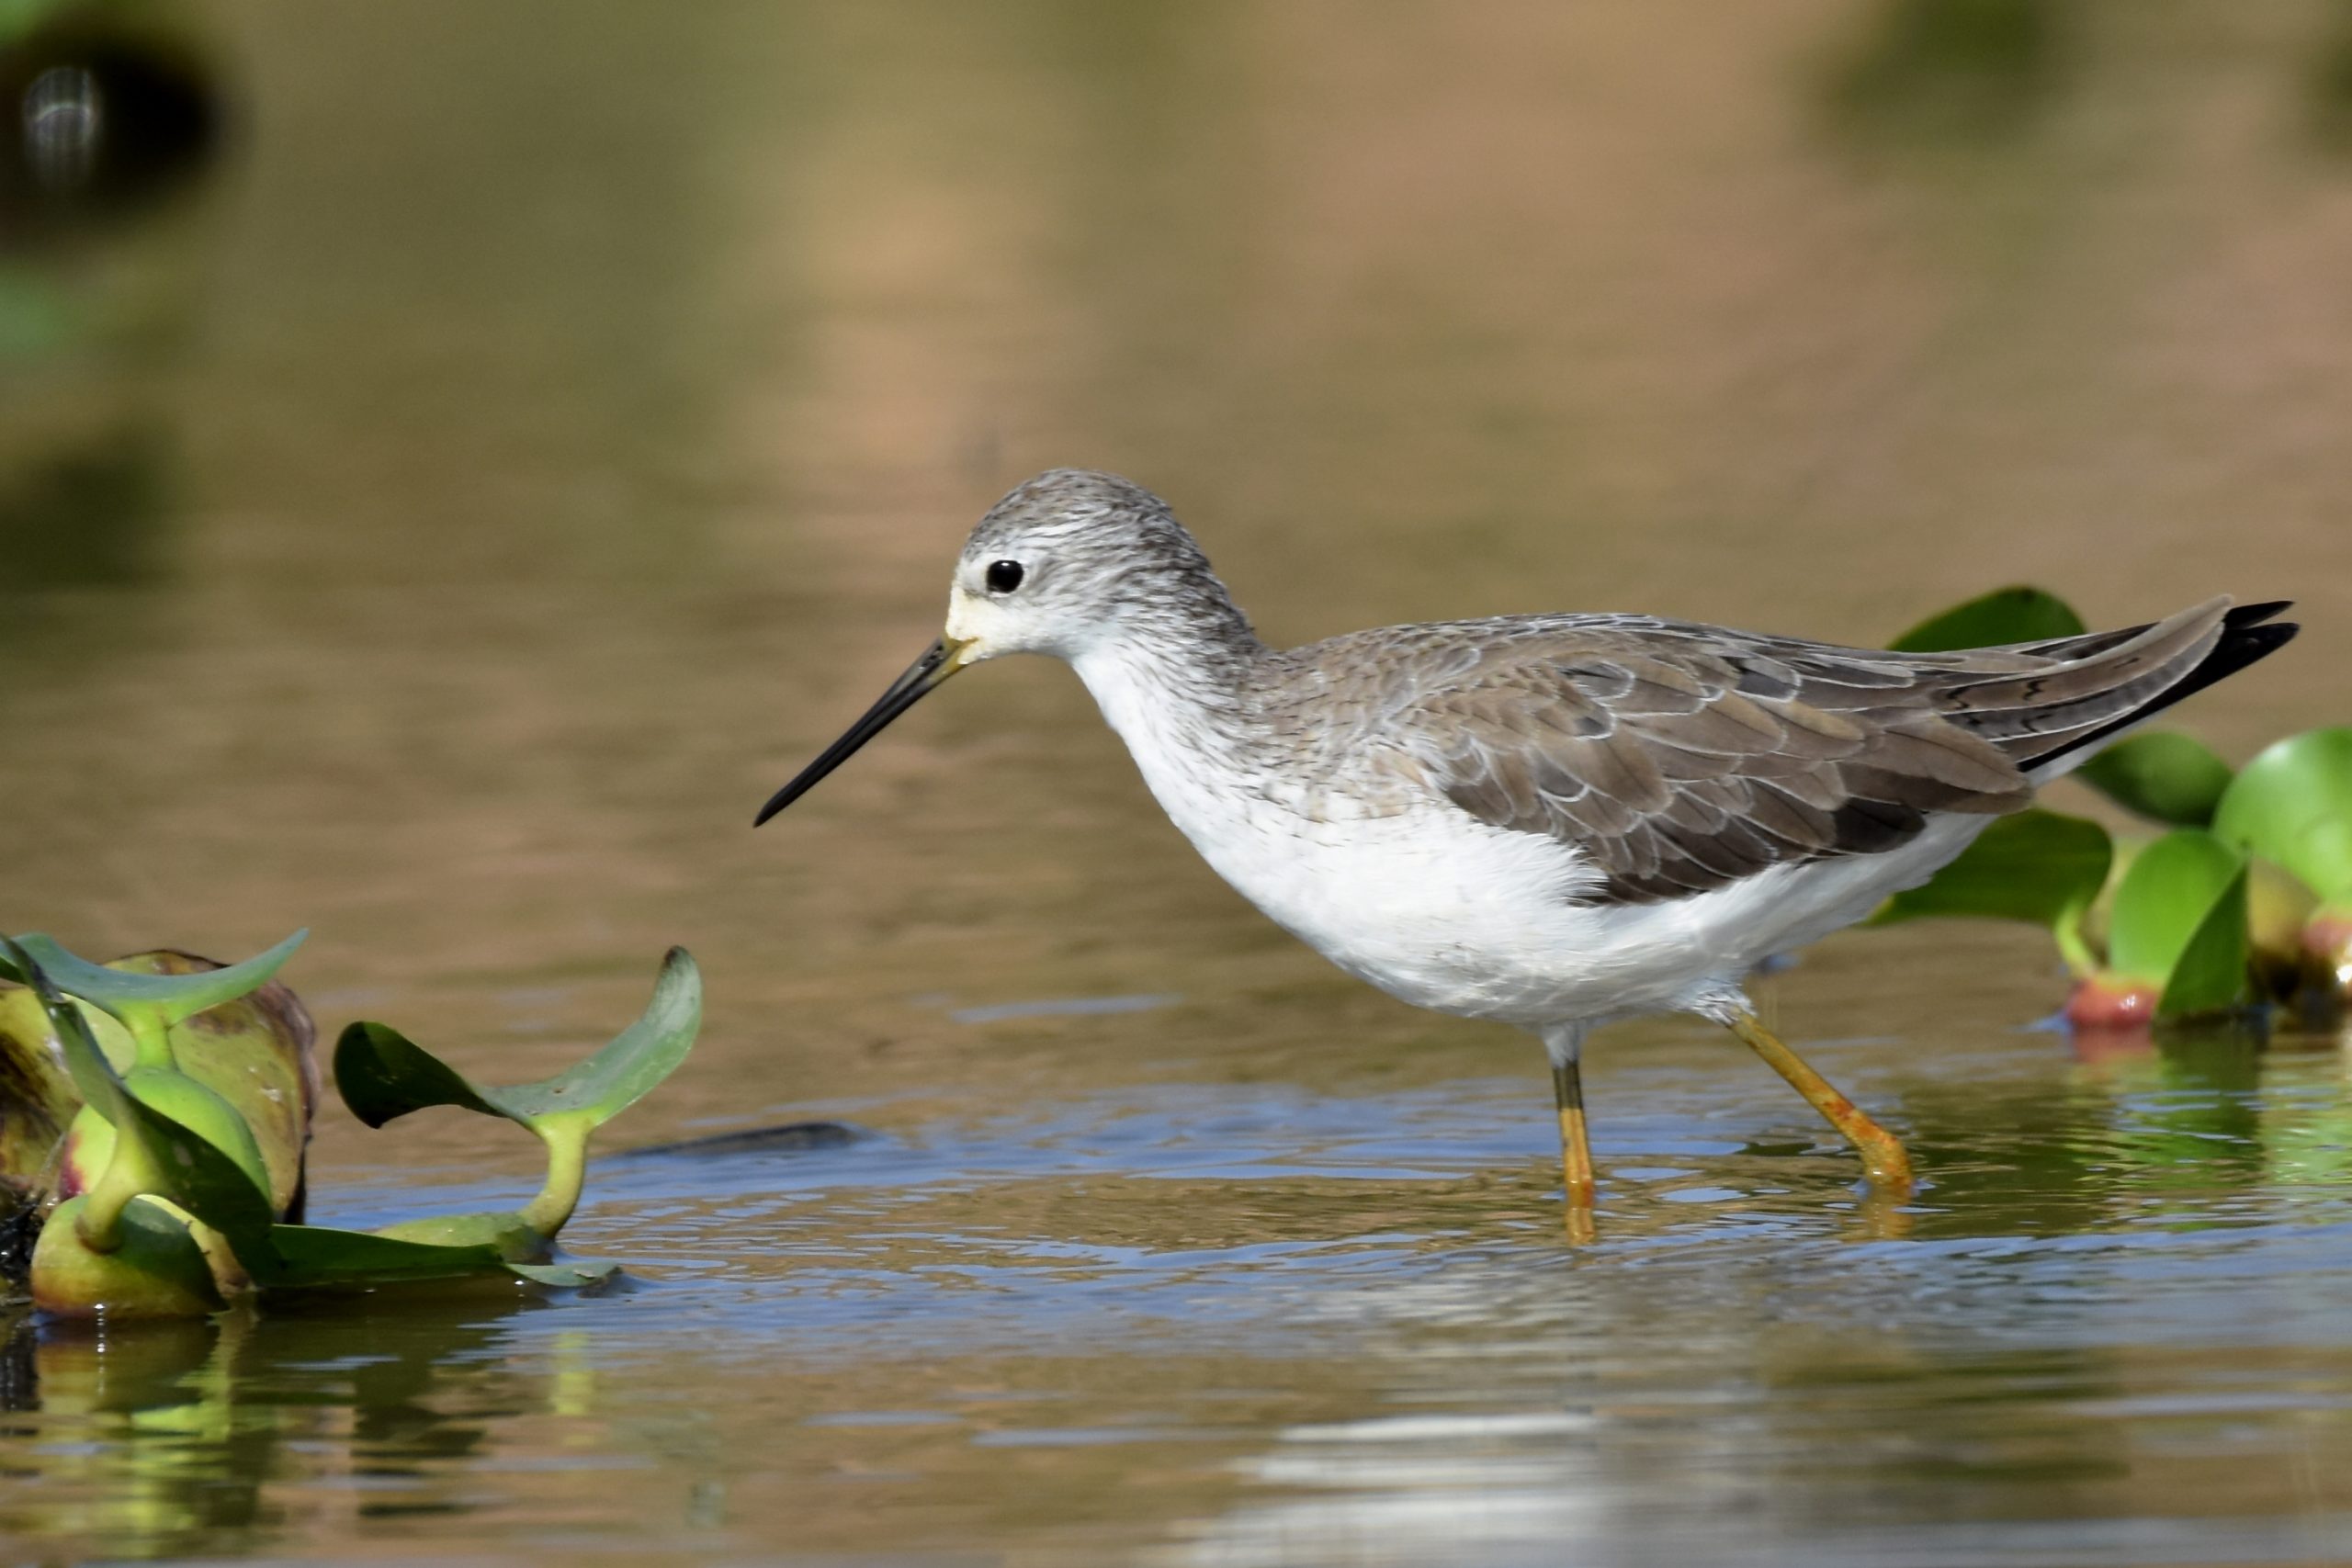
{"x":2180,"y":924}
{"x":1951,"y":71}
{"x":2199,"y":923}
{"x":2161,"y":774}
{"x":2037,"y":866}
{"x":2003,"y":617}
{"x":2293,"y":805}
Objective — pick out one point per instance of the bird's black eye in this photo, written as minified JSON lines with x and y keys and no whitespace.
{"x":1004,"y":575}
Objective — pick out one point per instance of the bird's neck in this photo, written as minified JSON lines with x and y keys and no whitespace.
{"x":1177,"y":691}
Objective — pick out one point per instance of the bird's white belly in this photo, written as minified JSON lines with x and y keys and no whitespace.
{"x":1445,"y":912}
{"x":1446,"y":915}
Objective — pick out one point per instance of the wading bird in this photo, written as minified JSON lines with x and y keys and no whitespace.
{"x":1550,"y":820}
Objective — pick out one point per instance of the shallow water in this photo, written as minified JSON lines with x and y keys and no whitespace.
{"x":547,"y":424}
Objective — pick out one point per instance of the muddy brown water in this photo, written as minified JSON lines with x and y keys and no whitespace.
{"x":549,"y":423}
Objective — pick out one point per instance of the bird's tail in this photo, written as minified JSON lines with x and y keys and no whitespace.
{"x":2097,"y":685}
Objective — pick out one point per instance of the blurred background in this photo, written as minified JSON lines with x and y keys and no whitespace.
{"x":457,"y":458}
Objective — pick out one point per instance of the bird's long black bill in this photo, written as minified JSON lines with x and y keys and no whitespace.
{"x":937,"y":663}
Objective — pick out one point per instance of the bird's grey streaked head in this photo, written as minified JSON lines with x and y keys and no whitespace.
{"x":1068,"y":564}
{"x":1071,"y":558}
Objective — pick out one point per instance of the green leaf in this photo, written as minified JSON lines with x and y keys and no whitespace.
{"x":323,"y":1257}
{"x":509,"y":1233}
{"x":2211,"y":974}
{"x":169,"y":998}
{"x":2162,"y":773}
{"x":2293,"y":805}
{"x":20,"y":18}
{"x":2004,"y":615}
{"x":318,"y":1257}
{"x":567,"y":1276}
{"x":2036,"y":865}
{"x":383,"y":1074}
{"x":448,"y":1246}
{"x":2173,"y":885}
{"x":181,"y":1100}
{"x":624,"y":1071}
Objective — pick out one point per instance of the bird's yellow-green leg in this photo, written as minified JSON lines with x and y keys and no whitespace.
{"x":1881,"y":1152}
{"x":1563,"y":1043}
{"x":1575,"y":1149}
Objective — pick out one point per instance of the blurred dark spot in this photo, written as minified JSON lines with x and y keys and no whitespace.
{"x":1063,"y":1006}
{"x":791,"y":1137}
{"x":1952,"y":70}
{"x":20,"y":1367}
{"x":96,"y":125}
{"x":2332,"y":83}
{"x":20,"y":1222}
{"x":87,"y":517}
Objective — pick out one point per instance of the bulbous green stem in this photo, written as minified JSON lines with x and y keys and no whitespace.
{"x":150,"y":1037}
{"x":129,"y":1173}
{"x":2073,"y":946}
{"x":566,"y":1137}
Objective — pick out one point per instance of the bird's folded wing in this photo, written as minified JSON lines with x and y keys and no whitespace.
{"x":1681,"y":758}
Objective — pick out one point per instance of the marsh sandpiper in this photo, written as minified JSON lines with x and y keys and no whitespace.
{"x":1559,"y":820}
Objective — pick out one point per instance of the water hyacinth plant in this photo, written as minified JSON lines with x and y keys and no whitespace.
{"x":2243,"y":901}
{"x":2292,"y":806}
{"x":177,"y":1182}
